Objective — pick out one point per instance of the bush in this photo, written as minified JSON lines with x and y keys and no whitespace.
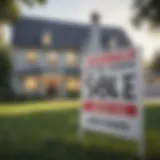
{"x":6,"y":92}
{"x":73,"y":94}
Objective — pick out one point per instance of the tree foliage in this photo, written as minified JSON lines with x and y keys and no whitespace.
{"x":9,"y":12}
{"x":10,"y":9}
{"x":5,"y":74}
{"x":147,"y":11}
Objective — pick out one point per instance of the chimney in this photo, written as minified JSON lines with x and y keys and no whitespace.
{"x":95,"y":18}
{"x":94,"y":39}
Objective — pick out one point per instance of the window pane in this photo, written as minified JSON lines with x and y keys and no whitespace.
{"x":30,"y":83}
{"x":71,"y":58}
{"x":52,"y":57}
{"x":31,"y":57}
{"x":73,"y":84}
{"x":47,"y":38}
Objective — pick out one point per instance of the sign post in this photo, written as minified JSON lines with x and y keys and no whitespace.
{"x":112,"y":95}
{"x":141,"y":145}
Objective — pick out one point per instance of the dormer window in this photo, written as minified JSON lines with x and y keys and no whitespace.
{"x":113,"y":43}
{"x":47,"y":38}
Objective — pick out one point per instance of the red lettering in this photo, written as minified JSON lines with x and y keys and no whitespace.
{"x":112,"y":57}
{"x":112,"y":108}
{"x":88,"y":106}
{"x":130,"y":110}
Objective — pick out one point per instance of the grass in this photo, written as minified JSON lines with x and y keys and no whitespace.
{"x":36,"y":107}
{"x":48,"y":130}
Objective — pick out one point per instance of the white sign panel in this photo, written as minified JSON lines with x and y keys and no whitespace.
{"x":112,"y":94}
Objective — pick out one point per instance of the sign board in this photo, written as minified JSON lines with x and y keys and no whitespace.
{"x":112,"y":99}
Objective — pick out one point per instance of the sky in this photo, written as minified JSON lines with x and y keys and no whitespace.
{"x":113,"y":12}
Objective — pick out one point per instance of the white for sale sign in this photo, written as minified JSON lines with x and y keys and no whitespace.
{"x":112,"y":93}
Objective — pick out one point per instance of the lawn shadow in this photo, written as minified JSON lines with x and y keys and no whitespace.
{"x":60,"y":150}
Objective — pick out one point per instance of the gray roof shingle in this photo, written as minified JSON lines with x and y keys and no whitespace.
{"x":27,"y":32}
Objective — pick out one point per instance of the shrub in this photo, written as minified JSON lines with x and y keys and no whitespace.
{"x":6,"y":92}
{"x":73,"y":94}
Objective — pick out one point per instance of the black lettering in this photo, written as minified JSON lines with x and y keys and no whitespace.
{"x":128,"y":87}
{"x":107,"y":123}
{"x":105,"y":86}
{"x":110,"y":86}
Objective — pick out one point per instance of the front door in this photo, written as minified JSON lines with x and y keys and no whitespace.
{"x":52,"y":89}
{"x":52,"y":83}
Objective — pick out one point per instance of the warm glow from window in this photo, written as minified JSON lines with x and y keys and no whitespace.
{"x":52,"y":57}
{"x":73,"y":84}
{"x":71,"y":58}
{"x":51,"y":80}
{"x":31,"y":56}
{"x":47,"y":38}
{"x":30,"y":83}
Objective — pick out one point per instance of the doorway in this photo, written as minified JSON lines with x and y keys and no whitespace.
{"x":52,"y":89}
{"x":52,"y":86}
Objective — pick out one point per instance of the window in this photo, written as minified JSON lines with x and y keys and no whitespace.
{"x":73,"y":84}
{"x":30,"y":83}
{"x":52,"y":58}
{"x":71,"y":58}
{"x":31,"y":57}
{"x":47,"y":38}
{"x":113,"y":44}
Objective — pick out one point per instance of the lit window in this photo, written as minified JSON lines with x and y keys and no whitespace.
{"x":30,"y":83}
{"x":52,"y":58}
{"x":71,"y":58}
{"x":73,"y":84}
{"x":31,"y":56}
{"x":47,"y":38}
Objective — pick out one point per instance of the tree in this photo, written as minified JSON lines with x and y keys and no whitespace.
{"x":147,"y":11}
{"x":9,"y":12}
{"x":5,"y":74}
{"x":155,"y":66}
{"x":10,"y":9}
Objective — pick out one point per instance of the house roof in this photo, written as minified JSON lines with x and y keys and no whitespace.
{"x":27,"y":32}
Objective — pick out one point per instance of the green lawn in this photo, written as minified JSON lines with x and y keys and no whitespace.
{"x":48,"y":130}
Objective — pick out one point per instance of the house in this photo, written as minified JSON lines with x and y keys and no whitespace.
{"x":46,"y":56}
